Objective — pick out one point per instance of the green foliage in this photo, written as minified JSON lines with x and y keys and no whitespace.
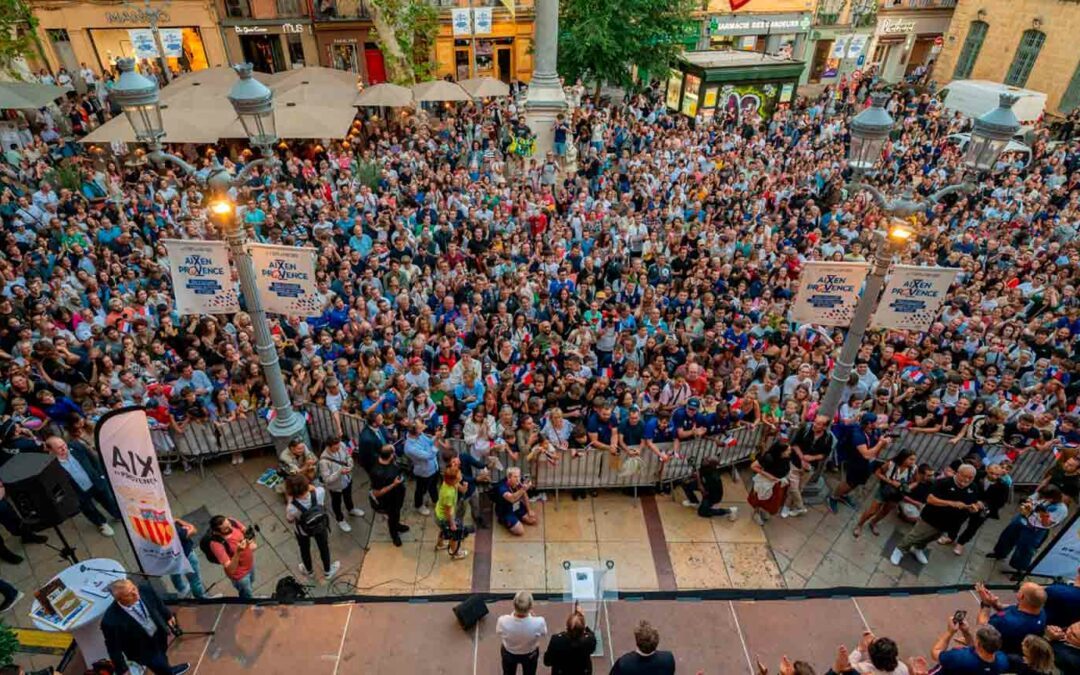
{"x":65,"y":175}
{"x":17,"y":25}
{"x":602,"y":40}
{"x":406,"y":32}
{"x":369,"y":173}
{"x":9,"y":644}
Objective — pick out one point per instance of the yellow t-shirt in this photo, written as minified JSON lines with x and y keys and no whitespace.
{"x":447,"y":504}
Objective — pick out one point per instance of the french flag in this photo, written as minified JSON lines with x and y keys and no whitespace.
{"x":729,"y":442}
{"x":969,"y":387}
{"x":492,"y":379}
{"x":915,"y":374}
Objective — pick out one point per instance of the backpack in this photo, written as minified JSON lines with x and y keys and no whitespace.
{"x":208,"y":538}
{"x":314,"y":521}
{"x":288,"y":590}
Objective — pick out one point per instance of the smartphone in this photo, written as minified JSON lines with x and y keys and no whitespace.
{"x":959,"y":616}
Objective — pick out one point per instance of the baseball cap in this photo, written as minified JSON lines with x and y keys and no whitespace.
{"x":693,"y":403}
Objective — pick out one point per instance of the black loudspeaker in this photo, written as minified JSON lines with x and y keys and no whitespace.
{"x":471,"y":610}
{"x":39,"y":489}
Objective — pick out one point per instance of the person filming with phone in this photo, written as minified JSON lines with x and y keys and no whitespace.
{"x":387,"y":494}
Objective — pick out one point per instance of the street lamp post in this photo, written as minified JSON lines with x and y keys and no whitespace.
{"x":869,"y":131}
{"x":253,"y":102}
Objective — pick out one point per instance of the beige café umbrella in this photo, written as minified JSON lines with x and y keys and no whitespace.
{"x":203,"y":87}
{"x":485,"y":87}
{"x":385,"y":94}
{"x":440,"y":90}
{"x":303,"y":120}
{"x":182,"y":125}
{"x":27,"y":95}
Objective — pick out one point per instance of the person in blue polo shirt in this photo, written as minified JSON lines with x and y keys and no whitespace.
{"x":688,"y":421}
{"x":1063,"y":603}
{"x":982,"y":656}
{"x":1014,"y":622}
{"x":602,"y":427}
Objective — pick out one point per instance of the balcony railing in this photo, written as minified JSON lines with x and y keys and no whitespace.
{"x":828,"y":18}
{"x":341,"y":10}
{"x":917,"y":4}
{"x":291,"y":9}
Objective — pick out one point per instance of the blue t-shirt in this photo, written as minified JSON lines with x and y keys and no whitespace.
{"x":966,"y":662}
{"x":1062,"y":605}
{"x":1015,"y":625}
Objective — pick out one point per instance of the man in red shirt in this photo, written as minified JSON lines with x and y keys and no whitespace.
{"x":696,"y":379}
{"x":235,"y":552}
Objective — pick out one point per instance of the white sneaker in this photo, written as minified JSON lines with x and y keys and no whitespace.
{"x":344,"y":526}
{"x":896,"y":557}
{"x":335,"y":567}
{"x":13,"y":602}
{"x":542,"y":497}
{"x":106,"y":530}
{"x":424,"y":511}
{"x":785,"y":512}
{"x":239,"y":459}
{"x":689,"y":504}
{"x":167,"y":471}
{"x":358,"y":512}
{"x":758,"y":519}
{"x":795,"y":513}
{"x":460,"y":555}
{"x":920,"y":555}
{"x":733,"y":514}
{"x":305,"y":573}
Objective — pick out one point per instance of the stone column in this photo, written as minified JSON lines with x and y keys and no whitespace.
{"x":546,"y":98}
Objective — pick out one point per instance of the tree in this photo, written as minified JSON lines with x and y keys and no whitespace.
{"x":406,"y":30}
{"x":603,"y":40}
{"x":17,"y":25}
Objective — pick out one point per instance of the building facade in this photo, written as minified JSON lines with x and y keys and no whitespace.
{"x":1023,"y":43}
{"x":779,"y":28}
{"x":99,"y":33}
{"x":273,"y":35}
{"x":909,"y":35}
{"x":483,"y":38}
{"x":840,"y":40}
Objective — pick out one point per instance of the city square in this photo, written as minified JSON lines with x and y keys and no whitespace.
{"x":561,"y":336}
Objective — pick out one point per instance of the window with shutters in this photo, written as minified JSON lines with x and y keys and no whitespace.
{"x":1071,"y":99}
{"x":970,"y":52}
{"x":1024,"y":59}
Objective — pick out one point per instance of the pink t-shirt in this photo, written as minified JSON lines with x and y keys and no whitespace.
{"x":247,"y":556}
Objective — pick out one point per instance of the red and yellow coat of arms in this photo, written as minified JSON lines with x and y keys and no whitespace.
{"x":153,"y":525}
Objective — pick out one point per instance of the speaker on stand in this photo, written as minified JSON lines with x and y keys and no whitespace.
{"x":470,"y":610}
{"x":43,"y":495}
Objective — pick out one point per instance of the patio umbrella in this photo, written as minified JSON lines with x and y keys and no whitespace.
{"x":182,"y":125}
{"x":27,"y":95}
{"x":311,"y":76}
{"x":386,"y":94}
{"x":485,"y":87}
{"x":203,"y":87}
{"x":302,"y":120}
{"x":440,"y":90}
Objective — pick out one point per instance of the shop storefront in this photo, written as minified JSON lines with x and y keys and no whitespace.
{"x":903,"y":43}
{"x":782,"y":34}
{"x":838,"y":52}
{"x":97,"y":35}
{"x":272,"y":45}
{"x":485,"y":42}
{"x":351,"y":46}
{"x":755,"y":84}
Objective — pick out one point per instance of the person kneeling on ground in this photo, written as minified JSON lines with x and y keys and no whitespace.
{"x":512,"y":502}
{"x":708,"y":479}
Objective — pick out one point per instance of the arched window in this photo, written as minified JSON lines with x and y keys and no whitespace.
{"x":1024,"y":59}
{"x":970,"y":52}
{"x":1071,"y":100}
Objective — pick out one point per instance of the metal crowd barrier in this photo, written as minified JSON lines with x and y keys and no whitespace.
{"x":588,"y":470}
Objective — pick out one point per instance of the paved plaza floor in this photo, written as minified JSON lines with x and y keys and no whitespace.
{"x":654,"y":542}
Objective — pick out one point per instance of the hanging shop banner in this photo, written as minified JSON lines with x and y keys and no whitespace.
{"x":481,"y":17}
{"x":913,"y":297}
{"x":202,"y":281}
{"x":461,"y":20}
{"x":856,"y":46}
{"x":1062,"y":557}
{"x":285,"y":279}
{"x":145,"y":47}
{"x":828,"y":292}
{"x":172,"y":41}
{"x":131,"y":465}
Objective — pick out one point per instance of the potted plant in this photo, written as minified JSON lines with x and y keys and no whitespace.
{"x":9,"y":644}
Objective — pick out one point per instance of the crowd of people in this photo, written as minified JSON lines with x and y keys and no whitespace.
{"x":625,"y":293}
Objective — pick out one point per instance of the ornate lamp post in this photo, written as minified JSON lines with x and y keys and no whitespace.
{"x":253,"y":102}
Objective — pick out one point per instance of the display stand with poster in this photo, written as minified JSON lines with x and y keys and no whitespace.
{"x":1061,"y":557}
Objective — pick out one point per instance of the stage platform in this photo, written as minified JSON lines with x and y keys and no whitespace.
{"x":716,"y":635}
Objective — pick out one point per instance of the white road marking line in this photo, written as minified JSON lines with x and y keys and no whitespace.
{"x":344,"y":632}
{"x":217,"y":620}
{"x":746,"y":651}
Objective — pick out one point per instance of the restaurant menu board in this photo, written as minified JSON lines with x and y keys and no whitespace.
{"x":690,"y":95}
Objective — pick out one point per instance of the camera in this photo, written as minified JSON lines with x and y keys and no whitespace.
{"x":251,"y":531}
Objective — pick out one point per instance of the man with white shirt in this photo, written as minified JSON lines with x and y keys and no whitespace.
{"x":520,"y":634}
{"x":136,"y":628}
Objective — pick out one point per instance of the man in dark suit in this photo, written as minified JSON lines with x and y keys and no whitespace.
{"x":370,"y":442}
{"x":136,"y":628}
{"x":645,"y":660}
{"x":88,"y":477}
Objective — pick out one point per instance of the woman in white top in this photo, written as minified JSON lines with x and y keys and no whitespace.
{"x":303,"y":498}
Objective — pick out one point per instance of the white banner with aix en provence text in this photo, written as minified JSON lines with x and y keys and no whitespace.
{"x":828,"y":292}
